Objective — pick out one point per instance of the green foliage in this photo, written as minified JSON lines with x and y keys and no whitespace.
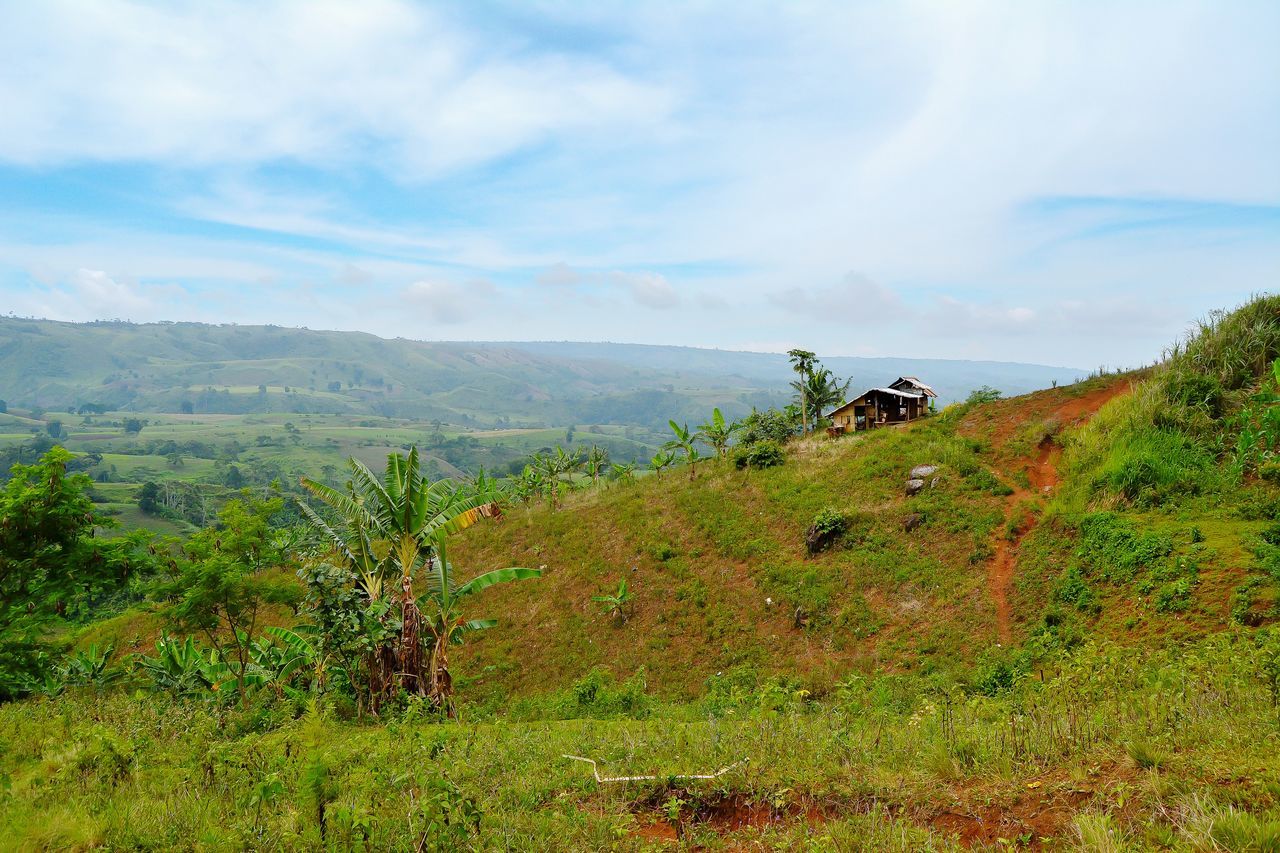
{"x":829,"y":525}
{"x":718,"y":432}
{"x":985,"y":394}
{"x":617,"y":603}
{"x":224,"y":581}
{"x":1213,"y":397}
{"x":1153,"y":466}
{"x":1073,"y":588}
{"x":684,"y":441}
{"x":770,"y":425}
{"x":983,"y":480}
{"x":50,"y":563}
{"x":762,"y":454}
{"x":1117,"y":549}
{"x":399,"y":527}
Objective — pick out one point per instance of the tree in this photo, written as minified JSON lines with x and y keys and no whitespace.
{"x":54,"y":428}
{"x":718,"y":433}
{"x":596,"y":463}
{"x":399,"y":525}
{"x":824,"y":391}
{"x":684,"y":441}
{"x":149,"y":498}
{"x":985,"y":394}
{"x":4,"y":407}
{"x":770,"y":425}
{"x":223,"y":584}
{"x":187,"y":407}
{"x":50,"y":562}
{"x":802,"y":362}
{"x":133,"y":426}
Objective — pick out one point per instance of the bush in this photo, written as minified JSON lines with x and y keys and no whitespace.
{"x":1072,"y":588}
{"x":762,"y":454}
{"x":770,"y":425}
{"x":1117,"y":549}
{"x":828,"y":526}
{"x":985,"y":394}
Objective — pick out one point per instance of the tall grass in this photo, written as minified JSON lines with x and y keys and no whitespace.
{"x":1165,"y":438}
{"x":875,"y":760}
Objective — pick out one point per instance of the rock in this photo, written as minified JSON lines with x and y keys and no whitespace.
{"x":914,"y":486}
{"x":912,"y":522}
{"x":817,"y":541}
{"x":920,"y":472}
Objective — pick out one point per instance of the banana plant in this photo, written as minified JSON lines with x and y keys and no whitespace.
{"x":624,"y":471}
{"x":90,"y":666}
{"x":596,"y":463}
{"x":181,"y":667}
{"x":445,"y":623}
{"x":661,"y":460}
{"x":718,"y":432}
{"x":398,"y":526}
{"x":615,"y":604}
{"x":685,"y":442}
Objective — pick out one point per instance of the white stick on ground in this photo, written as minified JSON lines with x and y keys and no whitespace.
{"x":595,"y":770}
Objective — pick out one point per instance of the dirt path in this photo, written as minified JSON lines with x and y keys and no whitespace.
{"x":1042,"y":473}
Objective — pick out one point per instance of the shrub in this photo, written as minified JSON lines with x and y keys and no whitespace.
{"x":762,"y":454}
{"x":770,"y":425}
{"x":985,"y":394}
{"x":1116,"y":548}
{"x":1072,"y":588}
{"x":828,"y":526}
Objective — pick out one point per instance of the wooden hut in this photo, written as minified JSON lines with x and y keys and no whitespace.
{"x":904,"y":400}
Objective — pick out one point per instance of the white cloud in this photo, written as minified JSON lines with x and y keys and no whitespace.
{"x":317,"y":82}
{"x":649,"y":290}
{"x":560,"y":275}
{"x":856,"y":296}
{"x":450,"y":303}
{"x":94,"y":295}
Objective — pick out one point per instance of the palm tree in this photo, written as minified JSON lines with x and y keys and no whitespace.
{"x":398,"y":525}
{"x":717,"y":432}
{"x":684,"y":442}
{"x":802,"y":362}
{"x":597,"y":462}
{"x":824,"y":391}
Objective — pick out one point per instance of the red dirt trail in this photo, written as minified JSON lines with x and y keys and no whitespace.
{"x":1042,"y":473}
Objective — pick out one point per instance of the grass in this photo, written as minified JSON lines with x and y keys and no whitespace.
{"x":886,"y":762}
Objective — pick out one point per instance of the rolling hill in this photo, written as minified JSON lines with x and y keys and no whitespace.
{"x":206,"y":369}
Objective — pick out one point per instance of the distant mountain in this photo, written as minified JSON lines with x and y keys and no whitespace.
{"x":953,"y":379}
{"x":173,"y":367}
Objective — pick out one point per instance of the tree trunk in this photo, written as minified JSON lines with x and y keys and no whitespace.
{"x":410,"y":640}
{"x":441,"y":680}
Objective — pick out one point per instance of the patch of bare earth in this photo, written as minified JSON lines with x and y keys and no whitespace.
{"x":1041,"y":470}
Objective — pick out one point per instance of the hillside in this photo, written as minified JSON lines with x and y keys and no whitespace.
{"x":1064,"y":639}
{"x":206,"y":369}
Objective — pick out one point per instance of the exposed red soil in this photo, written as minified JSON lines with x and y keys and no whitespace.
{"x":1042,"y":812}
{"x":1042,"y":473}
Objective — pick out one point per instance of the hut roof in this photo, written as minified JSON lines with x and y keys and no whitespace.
{"x":914,"y":382}
{"x":910,"y":395}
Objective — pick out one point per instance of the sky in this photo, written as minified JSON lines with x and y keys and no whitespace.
{"x":1067,"y":183}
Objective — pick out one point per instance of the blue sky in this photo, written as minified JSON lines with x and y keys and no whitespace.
{"x":1065,"y":183}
